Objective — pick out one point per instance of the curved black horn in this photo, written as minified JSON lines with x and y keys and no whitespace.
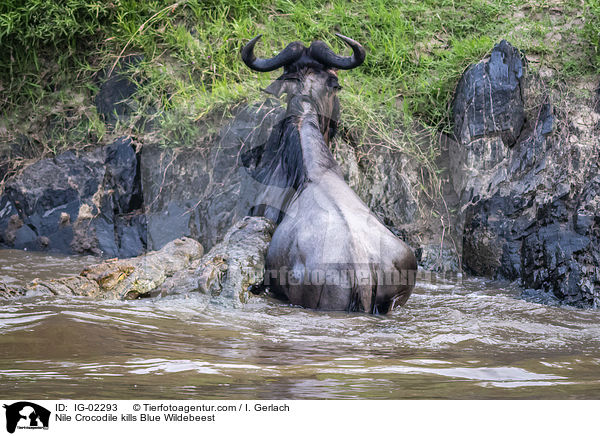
{"x":288,"y":55}
{"x":322,"y":53}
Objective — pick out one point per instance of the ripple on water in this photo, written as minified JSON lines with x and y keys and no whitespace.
{"x":454,"y":339}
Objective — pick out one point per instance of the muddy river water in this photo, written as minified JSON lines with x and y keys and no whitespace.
{"x":455,"y":339}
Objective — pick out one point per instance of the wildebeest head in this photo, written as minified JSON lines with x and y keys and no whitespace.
{"x":309,"y":73}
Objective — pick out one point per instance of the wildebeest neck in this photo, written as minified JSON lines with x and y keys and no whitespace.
{"x":316,"y":157}
{"x":295,"y":154}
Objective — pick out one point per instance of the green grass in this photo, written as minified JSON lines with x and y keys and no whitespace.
{"x":50,"y":53}
{"x":592,"y":29}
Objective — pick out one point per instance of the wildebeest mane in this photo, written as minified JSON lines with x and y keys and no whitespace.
{"x":281,"y":163}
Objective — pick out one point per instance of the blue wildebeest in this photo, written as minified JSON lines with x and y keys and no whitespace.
{"x":329,"y":250}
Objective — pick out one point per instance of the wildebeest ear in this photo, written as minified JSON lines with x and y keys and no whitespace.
{"x":276,"y":88}
{"x":281,"y":84}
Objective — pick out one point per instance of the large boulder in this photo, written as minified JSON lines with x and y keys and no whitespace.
{"x":488,"y":100}
{"x":504,"y":209}
{"x":528,"y":189}
{"x":86,"y":202}
{"x":489,"y":114}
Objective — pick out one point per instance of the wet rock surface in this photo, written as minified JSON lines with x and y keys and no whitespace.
{"x":562,"y":253}
{"x":87,"y":202}
{"x":528,"y":198}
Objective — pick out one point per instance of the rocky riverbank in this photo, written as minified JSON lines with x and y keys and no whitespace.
{"x":519,"y":194}
{"x":526,"y":172}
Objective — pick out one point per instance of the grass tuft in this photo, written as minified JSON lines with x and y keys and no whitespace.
{"x":51,"y":53}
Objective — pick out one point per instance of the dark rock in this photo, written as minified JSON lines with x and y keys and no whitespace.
{"x":548,"y":246}
{"x":492,"y":236}
{"x":530,"y":211}
{"x":546,"y":119}
{"x":488,"y":99}
{"x":529,"y":229}
{"x":112,"y":100}
{"x":382,"y":173}
{"x":549,"y":262}
{"x":131,"y":234}
{"x":76,"y":203}
{"x":489,"y":115}
{"x":200,"y":192}
{"x":121,"y":164}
